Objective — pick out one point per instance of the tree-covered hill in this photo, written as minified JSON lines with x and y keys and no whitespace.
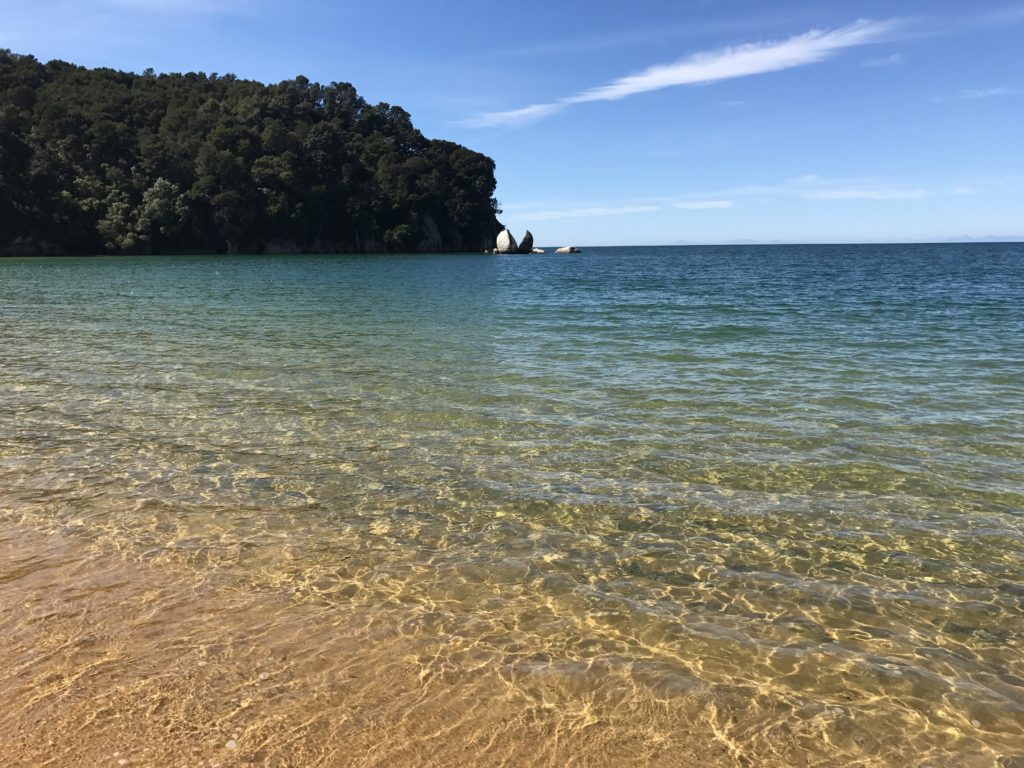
{"x":101,"y":161}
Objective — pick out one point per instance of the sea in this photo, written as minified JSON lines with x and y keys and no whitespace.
{"x":647,"y":506}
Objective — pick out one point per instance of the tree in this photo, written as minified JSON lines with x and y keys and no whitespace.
{"x":96,"y":160}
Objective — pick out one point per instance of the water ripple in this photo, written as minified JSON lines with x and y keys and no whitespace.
{"x":733,"y":506}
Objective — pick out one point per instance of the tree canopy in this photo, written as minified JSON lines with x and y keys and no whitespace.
{"x":102,"y":161}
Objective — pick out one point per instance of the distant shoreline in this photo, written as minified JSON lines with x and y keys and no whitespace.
{"x":550,"y":249}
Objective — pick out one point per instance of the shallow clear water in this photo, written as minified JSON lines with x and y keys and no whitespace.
{"x":747,"y":506}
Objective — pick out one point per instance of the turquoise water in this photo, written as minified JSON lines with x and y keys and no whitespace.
{"x":771,"y":498}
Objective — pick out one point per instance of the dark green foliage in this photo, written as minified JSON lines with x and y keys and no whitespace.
{"x":100,"y":161}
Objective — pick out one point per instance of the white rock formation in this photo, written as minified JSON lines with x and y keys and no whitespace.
{"x":506,"y":243}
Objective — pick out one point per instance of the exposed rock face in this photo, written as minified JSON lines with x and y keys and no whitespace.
{"x":431,"y":242}
{"x":537,"y":250}
{"x":282,"y":245}
{"x":568,"y":249}
{"x":526,"y":244}
{"x":506,"y":243}
{"x":29,"y":246}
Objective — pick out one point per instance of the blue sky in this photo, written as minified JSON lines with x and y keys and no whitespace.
{"x":654,"y":121}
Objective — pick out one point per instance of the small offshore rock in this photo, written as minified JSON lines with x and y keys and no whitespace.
{"x":568,"y":249}
{"x":506,"y":243}
{"x":537,"y":250}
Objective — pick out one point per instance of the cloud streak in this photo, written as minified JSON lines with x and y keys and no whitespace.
{"x":181,"y":7}
{"x":811,"y":187}
{"x":864,"y":193}
{"x":585,"y":213}
{"x":987,"y":93}
{"x":708,"y":67}
{"x":704,"y":205}
{"x":885,"y":61}
{"x":814,"y":187}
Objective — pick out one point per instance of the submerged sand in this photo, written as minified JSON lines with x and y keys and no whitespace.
{"x":107,"y":660}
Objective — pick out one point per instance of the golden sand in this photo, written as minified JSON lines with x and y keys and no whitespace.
{"x":107,"y":661}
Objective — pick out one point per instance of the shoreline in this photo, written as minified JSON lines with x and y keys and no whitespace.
{"x":548,"y":250}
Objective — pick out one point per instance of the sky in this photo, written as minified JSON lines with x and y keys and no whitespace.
{"x":648,"y":122}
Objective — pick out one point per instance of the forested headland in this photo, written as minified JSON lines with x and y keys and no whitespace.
{"x":102,"y":161}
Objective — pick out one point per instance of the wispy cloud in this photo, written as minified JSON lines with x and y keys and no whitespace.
{"x":177,"y":7}
{"x":708,"y":67}
{"x":986,"y":93}
{"x":864,"y":193}
{"x":1009,"y":14}
{"x":814,"y":187}
{"x":583,"y":213}
{"x":884,"y":61}
{"x":810,"y":187}
{"x":704,"y":205}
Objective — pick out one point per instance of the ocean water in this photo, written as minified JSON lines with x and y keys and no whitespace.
{"x":737,"y":506}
